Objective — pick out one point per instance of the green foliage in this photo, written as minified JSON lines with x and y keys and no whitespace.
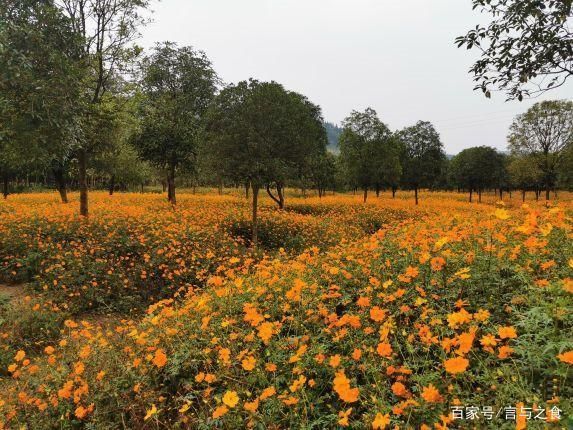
{"x":423,"y":155}
{"x":369,"y":151}
{"x":525,"y":49}
{"x":259,"y":132}
{"x":478,"y":168}
{"x":544,"y":134}
{"x":40,"y":83}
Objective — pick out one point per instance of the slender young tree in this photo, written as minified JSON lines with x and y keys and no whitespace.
{"x":108,"y":29}
{"x":40,"y":85}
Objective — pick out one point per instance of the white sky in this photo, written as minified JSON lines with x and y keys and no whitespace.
{"x":398,"y":57}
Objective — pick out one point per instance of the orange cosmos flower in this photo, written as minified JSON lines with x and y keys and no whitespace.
{"x":400,"y":390}
{"x":437,"y":263}
{"x":252,"y":406}
{"x":431,"y":395}
{"x":566,"y":357}
{"x":342,"y":387}
{"x":220,"y":411}
{"x":384,"y":349}
{"x":507,"y":332}
{"x":20,"y":355}
{"x":160,"y":358}
{"x":334,"y":361}
{"x":504,"y":352}
{"x":343,"y":417}
{"x":249,"y":363}
{"x":456,"y":365}
{"x":377,"y":314}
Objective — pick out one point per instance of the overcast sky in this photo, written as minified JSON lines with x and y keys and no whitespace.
{"x":395,"y":56}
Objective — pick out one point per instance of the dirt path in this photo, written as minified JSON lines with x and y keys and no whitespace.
{"x":12,"y":292}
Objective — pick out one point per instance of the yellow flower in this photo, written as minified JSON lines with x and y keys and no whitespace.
{"x":230,"y":399}
{"x":20,"y":355}
{"x":150,"y":412}
{"x":380,"y":421}
{"x":501,"y":214}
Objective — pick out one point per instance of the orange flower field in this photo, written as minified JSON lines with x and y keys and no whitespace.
{"x":365,"y":316}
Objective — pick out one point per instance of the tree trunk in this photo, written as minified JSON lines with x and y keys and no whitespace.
{"x":394,"y":192}
{"x":536,"y":194}
{"x":5,"y":183}
{"x":471,"y":194}
{"x":60,"y":180}
{"x":255,"y":223}
{"x":547,"y":193}
{"x":377,"y":191}
{"x":163,"y":186}
{"x":247,"y":187}
{"x":171,"y":186}
{"x":220,"y":190}
{"x":142,"y":188}
{"x":416,"y":195}
{"x":280,"y":200}
{"x":280,"y":192}
{"x":523,"y":195}
{"x":82,"y":177}
{"x":365,"y":194}
{"x":111,"y":185}
{"x":479,"y":195}
{"x":501,"y":194}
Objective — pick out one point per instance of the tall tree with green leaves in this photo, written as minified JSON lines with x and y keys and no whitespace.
{"x":108,"y":30}
{"x":545,"y":133}
{"x":477,"y":169}
{"x":422,"y":157}
{"x":260,"y":134}
{"x":178,"y":84}
{"x":369,"y":151}
{"x":524,"y":174}
{"x":40,"y":84}
{"x":526,"y":49}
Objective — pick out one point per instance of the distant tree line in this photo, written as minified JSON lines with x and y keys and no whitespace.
{"x":82,"y":107}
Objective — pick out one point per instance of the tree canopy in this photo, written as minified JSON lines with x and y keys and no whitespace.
{"x":525,"y":50}
{"x":178,"y":84}
{"x":544,"y":132}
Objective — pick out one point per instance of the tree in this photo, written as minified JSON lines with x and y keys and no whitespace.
{"x":40,"y":83}
{"x":422,"y":157}
{"x":477,"y":168}
{"x":323,"y":172}
{"x":369,"y":151}
{"x":107,"y":29}
{"x":260,"y":134}
{"x":544,"y":132}
{"x":524,"y":174}
{"x":178,"y":85}
{"x":525,"y":50}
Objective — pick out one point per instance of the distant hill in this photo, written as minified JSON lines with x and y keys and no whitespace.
{"x":333,"y":132}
